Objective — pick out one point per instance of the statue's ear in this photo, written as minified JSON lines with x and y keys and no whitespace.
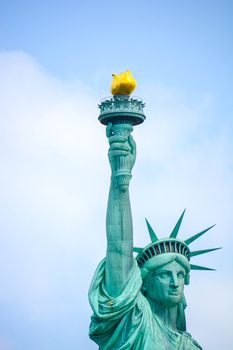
{"x":187,"y":279}
{"x":145,"y":285}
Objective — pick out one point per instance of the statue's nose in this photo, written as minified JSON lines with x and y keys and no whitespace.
{"x":174,"y":281}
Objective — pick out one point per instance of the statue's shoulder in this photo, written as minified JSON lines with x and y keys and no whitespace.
{"x":189,"y":343}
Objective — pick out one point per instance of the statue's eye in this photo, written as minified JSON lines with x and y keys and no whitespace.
{"x":180,"y":275}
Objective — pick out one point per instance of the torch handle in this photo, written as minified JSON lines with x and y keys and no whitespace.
{"x":123,"y":168}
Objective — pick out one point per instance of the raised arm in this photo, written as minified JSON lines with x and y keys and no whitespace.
{"x":119,"y":227}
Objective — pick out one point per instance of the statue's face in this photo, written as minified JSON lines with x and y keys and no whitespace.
{"x":165,"y":285}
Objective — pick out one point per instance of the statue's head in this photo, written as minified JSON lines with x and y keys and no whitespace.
{"x":164,"y":278}
{"x":165,"y":265}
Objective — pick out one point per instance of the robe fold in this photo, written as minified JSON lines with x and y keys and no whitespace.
{"x":127,"y":322}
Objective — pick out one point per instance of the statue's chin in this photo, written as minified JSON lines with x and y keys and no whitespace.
{"x":171,"y":301}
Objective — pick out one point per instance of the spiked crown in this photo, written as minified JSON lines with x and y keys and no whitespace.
{"x":171,"y":245}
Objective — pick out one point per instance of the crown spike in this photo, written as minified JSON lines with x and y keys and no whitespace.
{"x":137,"y":250}
{"x":177,"y":227}
{"x":197,"y":235}
{"x":197,"y":267}
{"x":153,"y":236}
{"x":198,"y":252}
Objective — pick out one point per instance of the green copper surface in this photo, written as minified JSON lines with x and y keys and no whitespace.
{"x":120,"y":109}
{"x":197,"y":267}
{"x":177,"y":227}
{"x":137,"y":303}
{"x":203,"y":251}
{"x":153,"y":236}
{"x":197,"y":235}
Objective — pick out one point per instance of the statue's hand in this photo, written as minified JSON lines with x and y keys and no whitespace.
{"x":120,"y":145}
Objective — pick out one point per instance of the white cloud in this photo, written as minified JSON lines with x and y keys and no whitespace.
{"x":55,"y":180}
{"x":5,"y":343}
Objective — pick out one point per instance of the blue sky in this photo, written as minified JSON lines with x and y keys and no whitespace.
{"x":56,"y":61}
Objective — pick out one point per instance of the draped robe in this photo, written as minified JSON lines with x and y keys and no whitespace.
{"x":127,"y":322}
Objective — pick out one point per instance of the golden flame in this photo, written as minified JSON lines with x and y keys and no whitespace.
{"x":123,"y":84}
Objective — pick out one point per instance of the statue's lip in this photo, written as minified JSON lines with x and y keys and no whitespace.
{"x":173,"y":293}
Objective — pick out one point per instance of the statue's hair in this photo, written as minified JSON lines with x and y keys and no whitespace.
{"x":164,"y":259}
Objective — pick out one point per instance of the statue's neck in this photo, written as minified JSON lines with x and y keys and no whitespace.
{"x":165,"y":314}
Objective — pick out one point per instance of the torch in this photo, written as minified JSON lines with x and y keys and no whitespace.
{"x":123,"y":112}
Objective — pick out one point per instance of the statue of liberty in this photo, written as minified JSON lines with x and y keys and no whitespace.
{"x":137,"y":303}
